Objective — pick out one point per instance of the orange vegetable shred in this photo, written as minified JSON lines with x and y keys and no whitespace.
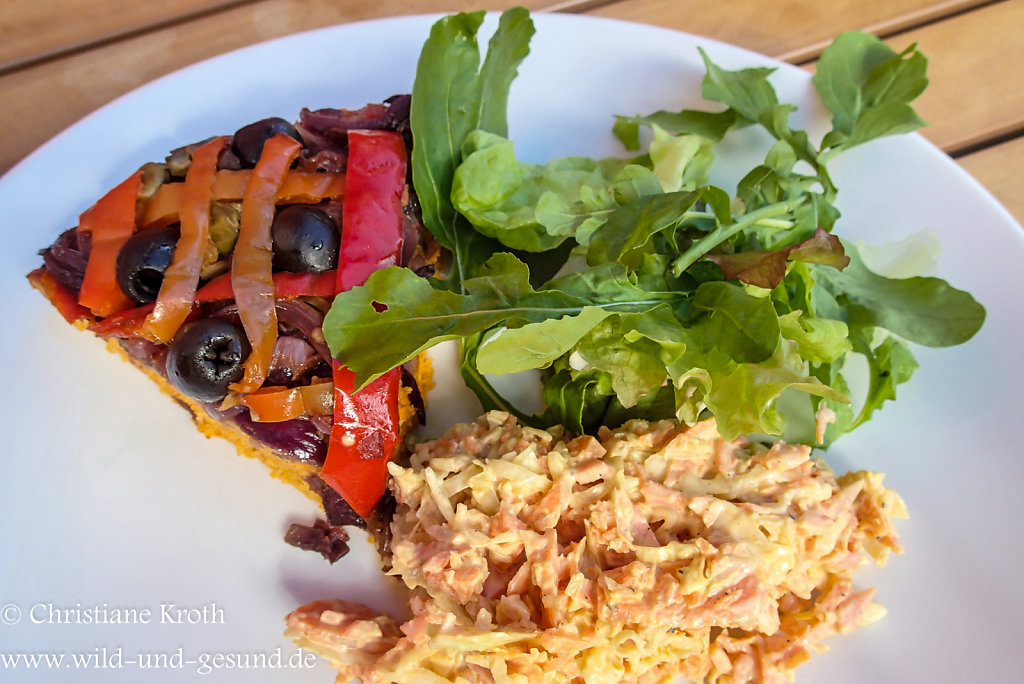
{"x":182,"y":277}
{"x":299,"y":187}
{"x":251,"y":266}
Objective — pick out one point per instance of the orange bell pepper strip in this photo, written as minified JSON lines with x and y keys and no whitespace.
{"x":278,"y":404}
{"x":252,"y":262}
{"x":366,"y":423}
{"x":299,"y":187}
{"x":178,"y":289}
{"x":110,"y":222}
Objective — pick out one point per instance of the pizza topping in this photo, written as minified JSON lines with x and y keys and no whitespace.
{"x":306,"y":240}
{"x":293,"y":357}
{"x":298,"y":441}
{"x":229,"y":186}
{"x":251,"y":266}
{"x":225,"y":218}
{"x":249,"y":140}
{"x":143,"y":260}
{"x":205,"y":357}
{"x":215,"y":267}
{"x":67,"y":257}
{"x":109,"y":223}
{"x":178,"y":287}
{"x":366,"y":423}
{"x":286,"y":286}
{"x":329,"y":541}
{"x":62,"y":298}
{"x":278,"y":404}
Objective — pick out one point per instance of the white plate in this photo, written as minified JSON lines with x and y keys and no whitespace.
{"x":110,"y":499}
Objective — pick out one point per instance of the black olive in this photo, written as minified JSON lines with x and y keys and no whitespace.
{"x":248,"y":141}
{"x":306,"y":240}
{"x":142,"y":261}
{"x":206,"y":356}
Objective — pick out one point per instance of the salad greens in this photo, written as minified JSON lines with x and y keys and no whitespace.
{"x":634,"y":286}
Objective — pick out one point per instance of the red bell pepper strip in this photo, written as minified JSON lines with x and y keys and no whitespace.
{"x":111,"y":221}
{"x":366,"y":423}
{"x":286,"y":286}
{"x":251,"y":263}
{"x":125,"y":323}
{"x":62,"y":298}
{"x":178,"y":289}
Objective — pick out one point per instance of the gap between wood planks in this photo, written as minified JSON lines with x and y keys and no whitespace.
{"x":915,"y":20}
{"x":569,"y":6}
{"x":801,"y":57}
{"x":894,"y":26}
{"x":999,"y":138}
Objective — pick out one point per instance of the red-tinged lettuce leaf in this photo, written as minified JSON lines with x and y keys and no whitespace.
{"x":767,"y":268}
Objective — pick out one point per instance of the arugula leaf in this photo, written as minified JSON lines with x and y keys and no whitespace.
{"x":709,"y":125}
{"x":490,"y":399}
{"x":868,"y":87}
{"x":684,"y":300}
{"x":578,"y":400}
{"x":750,"y":94}
{"x":506,"y":50}
{"x":451,"y":96}
{"x":630,"y":228}
{"x":928,"y":311}
{"x":632,"y":361}
{"x":890,"y":363}
{"x":420,"y":312}
{"x":747,"y":91}
{"x":536,"y":345}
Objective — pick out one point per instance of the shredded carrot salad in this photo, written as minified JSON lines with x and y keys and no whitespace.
{"x":650,"y":552}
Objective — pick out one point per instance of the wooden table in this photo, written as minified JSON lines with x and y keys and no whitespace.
{"x":61,"y":59}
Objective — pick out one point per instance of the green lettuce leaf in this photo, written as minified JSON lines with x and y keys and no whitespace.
{"x":525,"y":206}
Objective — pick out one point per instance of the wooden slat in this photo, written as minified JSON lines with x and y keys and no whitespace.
{"x":976,"y":56}
{"x":974,"y":96}
{"x":35,"y":30}
{"x":977,"y":75}
{"x":793,"y":30}
{"x":1000,"y":169}
{"x":82,"y":82}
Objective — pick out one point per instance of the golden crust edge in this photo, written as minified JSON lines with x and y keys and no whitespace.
{"x":289,"y":472}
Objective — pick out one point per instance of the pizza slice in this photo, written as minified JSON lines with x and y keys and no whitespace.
{"x":212,"y":271}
